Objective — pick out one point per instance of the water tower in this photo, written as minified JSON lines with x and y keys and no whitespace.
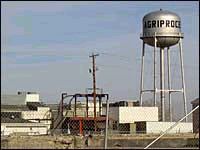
{"x":161,"y":30}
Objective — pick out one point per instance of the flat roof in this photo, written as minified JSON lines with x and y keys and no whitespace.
{"x":14,"y":107}
{"x":14,"y":120}
{"x":13,"y":99}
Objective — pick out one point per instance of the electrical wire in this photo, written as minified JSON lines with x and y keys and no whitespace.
{"x":115,"y":66}
{"x":120,"y":57}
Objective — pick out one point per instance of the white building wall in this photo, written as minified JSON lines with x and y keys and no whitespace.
{"x":41,"y":113}
{"x":32,"y":98}
{"x":137,"y":114}
{"x":39,"y":131}
{"x":91,"y":107}
{"x":3,"y":128}
{"x":43,"y":109}
{"x":27,"y":128}
{"x":81,"y":109}
{"x":158,"y":127}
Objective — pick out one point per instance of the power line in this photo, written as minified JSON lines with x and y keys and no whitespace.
{"x":110,"y":54}
{"x":120,"y":57}
{"x":116,"y":66}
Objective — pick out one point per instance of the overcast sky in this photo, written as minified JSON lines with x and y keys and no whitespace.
{"x":45,"y":47}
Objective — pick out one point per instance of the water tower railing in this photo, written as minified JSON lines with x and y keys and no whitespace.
{"x":170,"y":34}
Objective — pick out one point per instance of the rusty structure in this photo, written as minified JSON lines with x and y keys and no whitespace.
{"x":68,"y":120}
{"x":79,"y":124}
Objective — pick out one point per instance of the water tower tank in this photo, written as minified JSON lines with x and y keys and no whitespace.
{"x":165,"y":25}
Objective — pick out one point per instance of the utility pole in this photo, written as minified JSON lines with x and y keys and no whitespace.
{"x":93,"y":56}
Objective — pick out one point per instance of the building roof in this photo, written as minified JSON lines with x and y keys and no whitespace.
{"x":20,"y":98}
{"x":14,"y":107}
{"x":196,"y":101}
{"x":13,"y":99}
{"x":25,"y":124}
{"x":123,"y":103}
{"x":29,"y":106}
{"x":13,"y":120}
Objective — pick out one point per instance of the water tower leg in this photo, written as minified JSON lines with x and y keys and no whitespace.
{"x":162,"y":85}
{"x":142,"y":70}
{"x":154,"y":70}
{"x":169,"y":84}
{"x":183,"y":79}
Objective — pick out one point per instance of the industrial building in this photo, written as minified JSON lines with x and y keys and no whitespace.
{"x":125,"y":115}
{"x":24,"y":113}
{"x":23,"y":128}
{"x":133,"y":119}
{"x":195,"y":115}
{"x":154,"y":127}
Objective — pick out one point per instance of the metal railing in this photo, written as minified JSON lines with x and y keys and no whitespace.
{"x":165,"y":34}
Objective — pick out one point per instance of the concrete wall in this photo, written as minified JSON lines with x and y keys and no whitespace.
{"x":39,"y":142}
{"x":81,"y":109}
{"x":91,"y":106}
{"x":97,"y":142}
{"x":137,"y":114}
{"x":195,"y":117}
{"x":158,"y":127}
{"x":42,"y":113}
{"x":132,"y":128}
{"x":32,"y":98}
{"x":27,"y":128}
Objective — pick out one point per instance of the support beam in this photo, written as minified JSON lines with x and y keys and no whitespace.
{"x":154,"y":69}
{"x":162,"y":84}
{"x":169,"y":84}
{"x":107,"y":119}
{"x":183,"y":78}
{"x":142,"y":70}
{"x":75,"y":107}
{"x":87,"y":106}
{"x":99,"y":105}
{"x":62,"y":99}
{"x":81,"y":126}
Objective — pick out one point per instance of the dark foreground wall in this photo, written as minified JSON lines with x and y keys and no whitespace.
{"x":71,"y":142}
{"x":141,"y":142}
{"x":164,"y":143}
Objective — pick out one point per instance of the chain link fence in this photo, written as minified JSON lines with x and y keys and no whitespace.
{"x":36,"y":125}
